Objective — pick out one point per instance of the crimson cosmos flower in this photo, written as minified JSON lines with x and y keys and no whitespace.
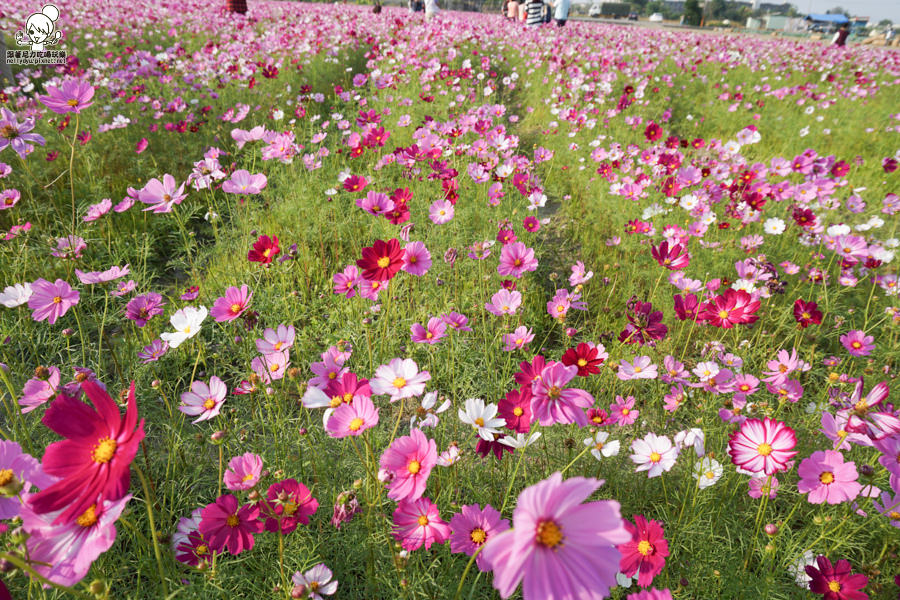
{"x":264,"y":250}
{"x":674,"y":257}
{"x":584,"y":357}
{"x":734,"y":307}
{"x":835,"y":582}
{"x":646,"y":552}
{"x":382,"y":260}
{"x":93,"y":462}
{"x":807,"y":313}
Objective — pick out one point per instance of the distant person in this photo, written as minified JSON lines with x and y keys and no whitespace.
{"x":889,"y":35}
{"x":431,"y":9}
{"x":561,"y":13}
{"x":512,"y":10}
{"x":534,"y":8}
{"x":237,"y":6}
{"x":840,"y":38}
{"x":523,"y":10}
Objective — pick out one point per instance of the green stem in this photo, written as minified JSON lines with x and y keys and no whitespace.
{"x":148,"y":502}
{"x":20,"y":564}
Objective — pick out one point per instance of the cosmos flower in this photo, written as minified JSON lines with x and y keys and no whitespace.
{"x":418,"y":523}
{"x":204,"y":401}
{"x":654,"y":454}
{"x":227,"y":524}
{"x":827,"y":478}
{"x":472,"y":527}
{"x":409,"y":459}
{"x":50,"y":301}
{"x":762,"y":446}
{"x":646,"y":552}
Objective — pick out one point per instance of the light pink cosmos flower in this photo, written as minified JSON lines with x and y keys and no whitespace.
{"x":232,"y":305}
{"x":654,"y":453}
{"x":762,"y":446}
{"x":622,"y":411}
{"x":352,"y":418}
{"x":111,"y":274}
{"x":38,"y":390}
{"x":242,"y":137}
{"x":276,"y":340}
{"x":504,"y":302}
{"x":409,"y":460}
{"x":23,"y":472}
{"x":204,"y":401}
{"x":64,"y":553}
{"x":580,"y":275}
{"x":516,"y":259}
{"x":271,"y":367}
{"x":162,"y":195}
{"x":400,"y":378}
{"x":243,"y":472}
{"x":95,"y":211}
{"x":552,"y":402}
{"x":558,"y":547}
{"x":759,"y":486}
{"x":518,"y":339}
{"x":641,"y":368}
{"x":827,"y":478}
{"x":50,"y":301}
{"x":416,"y":259}
{"x":418,"y":523}
{"x":858,"y":343}
{"x":435,"y":331}
{"x":441,"y":212}
{"x":315,"y":582}
{"x":243,"y":183}
{"x":376,"y":203}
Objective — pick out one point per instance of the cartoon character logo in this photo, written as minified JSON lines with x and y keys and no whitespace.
{"x":40,"y":29}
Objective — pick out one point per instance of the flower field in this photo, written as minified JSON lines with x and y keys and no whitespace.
{"x":320,"y":303}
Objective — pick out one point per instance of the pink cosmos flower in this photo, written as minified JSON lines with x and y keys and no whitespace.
{"x":39,"y":389}
{"x":889,"y":507}
{"x":580,"y":275}
{"x":276,"y":340}
{"x":654,"y":454}
{"x":516,"y":259}
{"x":95,"y":211}
{"x":432,"y":334}
{"x":552,"y":402}
{"x":641,"y":368}
{"x":671,"y":256}
{"x":518,"y":339}
{"x":17,"y":135}
{"x":858,"y":343}
{"x":72,"y":96}
{"x":827,"y":478}
{"x":409,"y":459}
{"x":472,"y":527}
{"x":63,"y":553}
{"x":226,"y":524}
{"x":232,"y":305}
{"x":243,"y":183}
{"x":400,"y":378}
{"x":352,"y":418}
{"x":50,"y":301}
{"x":141,"y":309}
{"x":289,"y":503}
{"x":417,"y":259}
{"x":558,"y":547}
{"x":757,"y":486}
{"x":346,"y":281}
{"x":141,"y":145}
{"x":376,"y":203}
{"x":457,"y":321}
{"x":162,"y":195}
{"x":504,"y":302}
{"x":20,"y":472}
{"x":645,"y":553}
{"x":315,"y":582}
{"x":243,"y":472}
{"x":271,"y":367}
{"x":623,"y":411}
{"x":441,"y":212}
{"x":111,"y":274}
{"x":762,"y":446}
{"x":204,"y":401}
{"x":418,"y":523}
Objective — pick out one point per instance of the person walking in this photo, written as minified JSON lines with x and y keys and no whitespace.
{"x":561,"y":12}
{"x":512,"y":10}
{"x":431,"y":9}
{"x":840,"y":38}
{"x":533,"y":9}
{"x":237,"y":6}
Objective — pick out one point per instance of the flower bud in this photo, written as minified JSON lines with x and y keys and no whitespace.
{"x":217,"y":436}
{"x":771,"y":529}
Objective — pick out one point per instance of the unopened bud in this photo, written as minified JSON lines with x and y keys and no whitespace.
{"x":771,"y":528}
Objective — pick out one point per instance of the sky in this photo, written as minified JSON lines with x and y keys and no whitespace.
{"x":876,"y":10}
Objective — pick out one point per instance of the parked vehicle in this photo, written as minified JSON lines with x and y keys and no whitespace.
{"x":632,"y":16}
{"x":656,"y":18}
{"x":595,"y":10}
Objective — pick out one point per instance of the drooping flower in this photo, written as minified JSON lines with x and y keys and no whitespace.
{"x":827,"y":478}
{"x":93,"y":462}
{"x":472,"y":527}
{"x":762,"y":446}
{"x":835,"y":581}
{"x":227,"y":524}
{"x":204,"y":401}
{"x":232,"y":305}
{"x":289,"y":504}
{"x":558,"y":547}
{"x":646,"y":552}
{"x":243,"y":472}
{"x":409,"y":459}
{"x":50,"y":301}
{"x":417,"y":523}
{"x":40,"y":388}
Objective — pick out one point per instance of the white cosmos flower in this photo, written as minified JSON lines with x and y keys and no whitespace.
{"x":187,"y":323}
{"x":707,"y":472}
{"x":774,"y":226}
{"x":601,"y":448}
{"x":691,"y":437}
{"x":839,"y":229}
{"x":520,"y":441}
{"x":482,"y":417}
{"x":15,"y":295}
{"x":798,"y":568}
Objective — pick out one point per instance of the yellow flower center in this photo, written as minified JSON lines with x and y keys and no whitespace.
{"x":479,"y":422}
{"x":209,"y":404}
{"x":723,"y":314}
{"x":856,"y":345}
{"x":290,"y":508}
{"x":332,"y":375}
{"x":518,"y":411}
{"x":655,"y":457}
{"x":638,"y":369}
{"x":549,"y":534}
{"x":806,"y":315}
{"x":278,"y":345}
{"x":335,"y":402}
{"x":56,"y":299}
{"x":834,"y":585}
{"x":104,"y":450}
{"x":355,"y":424}
{"x":202,"y":549}
{"x":582,"y":362}
{"x":267,"y":252}
{"x":710,"y":475}
{"x":645,"y":548}
{"x":398,"y":382}
{"x":429,"y":335}
{"x":599,"y":445}
{"x":235,"y":307}
{"x":826,"y":477}
{"x":413,"y":467}
{"x":764,"y":449}
{"x":6,"y":475}
{"x":72,"y":102}
{"x":232,"y":521}
{"x":478,"y":536}
{"x":422,"y":520}
{"x":625,"y":412}
{"x":347,"y":398}
{"x":88,"y":517}
{"x":383,"y":262}
{"x":554,"y":392}
{"x":247,"y":477}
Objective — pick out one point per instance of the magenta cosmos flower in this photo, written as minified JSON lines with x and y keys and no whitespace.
{"x":289,"y":503}
{"x":762,"y":446}
{"x":835,"y":582}
{"x":416,"y":259}
{"x":63,"y":553}
{"x":858,"y":343}
{"x":827,"y":478}
{"x":418,"y":523}
{"x":432,"y":333}
{"x":400,"y":378}
{"x":50,"y":301}
{"x":472,"y":527}
{"x":352,"y":418}
{"x":204,"y":401}
{"x":93,"y":462}
{"x":516,"y":259}
{"x":558,"y":547}
{"x":552,"y":402}
{"x":243,"y":472}
{"x":232,"y":305}
{"x":225,"y":523}
{"x":71,"y":96}
{"x":409,"y":459}
{"x":243,"y":183}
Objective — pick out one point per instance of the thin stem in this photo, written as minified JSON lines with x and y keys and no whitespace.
{"x":149,"y":504}
{"x":466,"y":572}
{"x":72,"y":175}
{"x":19,"y":563}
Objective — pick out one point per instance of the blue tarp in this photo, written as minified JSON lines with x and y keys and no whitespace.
{"x":828,"y":18}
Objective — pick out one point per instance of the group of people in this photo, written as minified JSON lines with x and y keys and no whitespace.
{"x":429,"y":7}
{"x":536,"y":12}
